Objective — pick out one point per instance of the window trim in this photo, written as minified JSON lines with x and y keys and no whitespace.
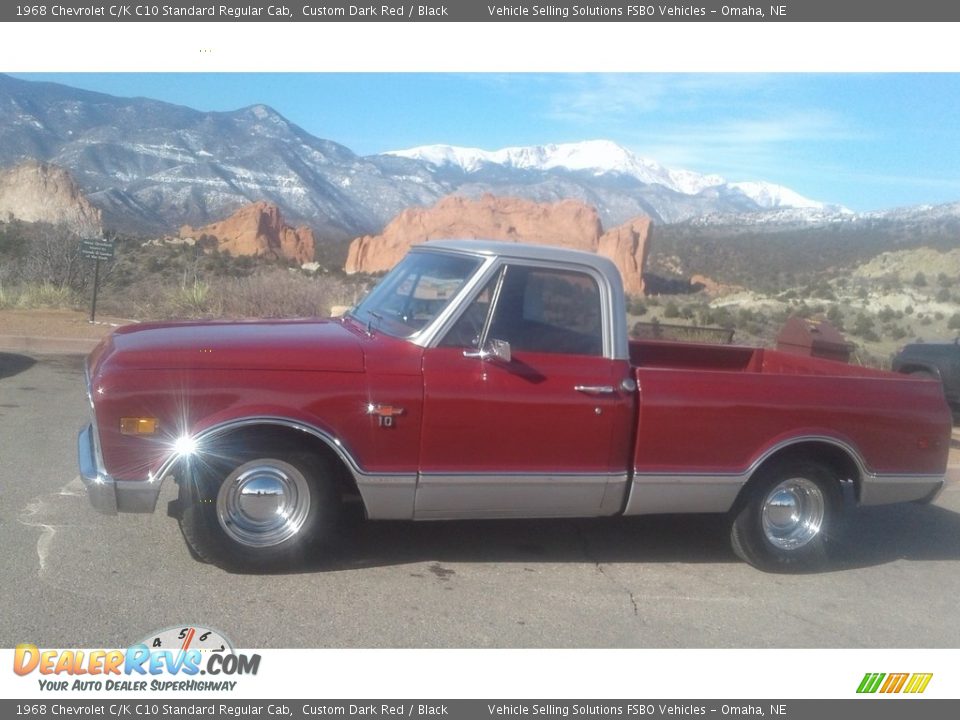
{"x":425,"y":335}
{"x":500,"y":265}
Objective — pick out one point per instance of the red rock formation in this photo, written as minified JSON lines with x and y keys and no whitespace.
{"x":568,"y":223}
{"x":258,"y":230}
{"x":628,"y":245}
{"x":39,"y":192}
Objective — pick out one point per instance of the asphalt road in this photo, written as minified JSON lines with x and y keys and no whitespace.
{"x":73,"y":578}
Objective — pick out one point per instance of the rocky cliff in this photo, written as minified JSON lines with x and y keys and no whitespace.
{"x":39,"y":192}
{"x":628,"y":246}
{"x":259,"y":230}
{"x":567,"y":223}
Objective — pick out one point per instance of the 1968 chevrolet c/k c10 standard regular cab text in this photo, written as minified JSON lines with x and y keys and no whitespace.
{"x":493,"y":380}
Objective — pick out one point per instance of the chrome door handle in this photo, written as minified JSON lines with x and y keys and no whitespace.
{"x":595,"y":389}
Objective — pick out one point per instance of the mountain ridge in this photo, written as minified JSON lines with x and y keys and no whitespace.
{"x":603,"y":157}
{"x":152,"y":166}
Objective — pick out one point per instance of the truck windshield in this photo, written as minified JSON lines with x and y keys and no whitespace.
{"x":412,"y":294}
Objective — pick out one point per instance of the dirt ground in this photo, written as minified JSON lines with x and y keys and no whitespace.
{"x":56,"y":324}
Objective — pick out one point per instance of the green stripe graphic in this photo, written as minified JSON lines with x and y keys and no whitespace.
{"x":871,"y":682}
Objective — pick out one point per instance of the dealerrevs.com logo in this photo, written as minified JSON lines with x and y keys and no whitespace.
{"x":913,"y":683}
{"x":171,"y":659}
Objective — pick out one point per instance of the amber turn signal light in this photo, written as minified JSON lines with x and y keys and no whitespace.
{"x":138,"y":425}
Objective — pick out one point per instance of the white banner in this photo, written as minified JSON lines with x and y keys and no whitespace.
{"x":560,"y":674}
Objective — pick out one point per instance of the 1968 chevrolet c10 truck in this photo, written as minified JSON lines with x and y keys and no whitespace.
{"x":493,"y":380}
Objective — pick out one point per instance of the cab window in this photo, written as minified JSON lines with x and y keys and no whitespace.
{"x":536,"y":310}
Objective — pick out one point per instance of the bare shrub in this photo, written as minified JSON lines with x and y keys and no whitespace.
{"x":271,"y":293}
{"x":52,"y":258}
{"x":278,"y":293}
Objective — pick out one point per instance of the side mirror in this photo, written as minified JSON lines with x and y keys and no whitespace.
{"x":499,"y":349}
{"x":493,"y":350}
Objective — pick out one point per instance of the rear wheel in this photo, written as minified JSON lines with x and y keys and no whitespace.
{"x":267,"y":513}
{"x":788,"y":517}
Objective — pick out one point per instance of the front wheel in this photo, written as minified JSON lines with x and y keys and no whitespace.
{"x":267,"y":513}
{"x":788,"y":517}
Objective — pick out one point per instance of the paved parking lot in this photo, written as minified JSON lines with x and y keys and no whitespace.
{"x":73,"y":578}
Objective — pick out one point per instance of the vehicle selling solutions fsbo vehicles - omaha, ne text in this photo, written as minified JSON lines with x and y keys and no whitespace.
{"x":493,"y":380}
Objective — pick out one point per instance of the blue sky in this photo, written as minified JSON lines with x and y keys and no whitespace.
{"x":867,"y":141}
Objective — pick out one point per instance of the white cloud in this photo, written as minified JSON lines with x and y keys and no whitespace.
{"x":603,"y":99}
{"x":740,"y":125}
{"x":749,"y":145}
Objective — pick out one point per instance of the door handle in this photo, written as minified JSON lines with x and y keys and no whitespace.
{"x":595,"y":389}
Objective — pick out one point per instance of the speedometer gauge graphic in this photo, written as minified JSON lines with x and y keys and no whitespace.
{"x":188,"y":637}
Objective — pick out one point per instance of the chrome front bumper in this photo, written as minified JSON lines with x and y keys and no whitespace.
{"x":107,"y":495}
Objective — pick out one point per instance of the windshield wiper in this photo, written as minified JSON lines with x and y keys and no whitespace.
{"x":373,"y":316}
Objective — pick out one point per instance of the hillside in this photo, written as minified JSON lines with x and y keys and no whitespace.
{"x":142,"y":169}
{"x":777,"y":256}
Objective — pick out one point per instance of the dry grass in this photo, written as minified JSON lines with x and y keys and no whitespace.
{"x":272,"y":293}
{"x":30,"y":296}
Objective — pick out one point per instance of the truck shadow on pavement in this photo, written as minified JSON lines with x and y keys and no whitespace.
{"x":871,"y":537}
{"x":12,"y":364}
{"x":685,"y":538}
{"x":879,"y":535}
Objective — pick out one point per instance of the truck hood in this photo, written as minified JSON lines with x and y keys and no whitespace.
{"x":278,"y":345}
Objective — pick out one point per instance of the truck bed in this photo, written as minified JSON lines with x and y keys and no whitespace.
{"x":732,"y":358}
{"x":711,"y":409}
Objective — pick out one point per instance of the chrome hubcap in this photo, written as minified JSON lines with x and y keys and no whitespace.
{"x":264,"y":504}
{"x":793,"y":513}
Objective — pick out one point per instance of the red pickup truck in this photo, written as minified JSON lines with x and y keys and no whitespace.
{"x":493,"y":380}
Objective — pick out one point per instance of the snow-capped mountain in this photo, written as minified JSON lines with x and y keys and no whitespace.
{"x":601,"y":157}
{"x":151,"y":167}
{"x":771,"y":195}
{"x":596,"y":156}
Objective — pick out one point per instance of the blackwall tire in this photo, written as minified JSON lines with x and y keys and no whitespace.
{"x":788,"y":517}
{"x":266,"y":514}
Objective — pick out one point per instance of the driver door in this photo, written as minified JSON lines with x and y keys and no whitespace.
{"x":542,"y":433}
